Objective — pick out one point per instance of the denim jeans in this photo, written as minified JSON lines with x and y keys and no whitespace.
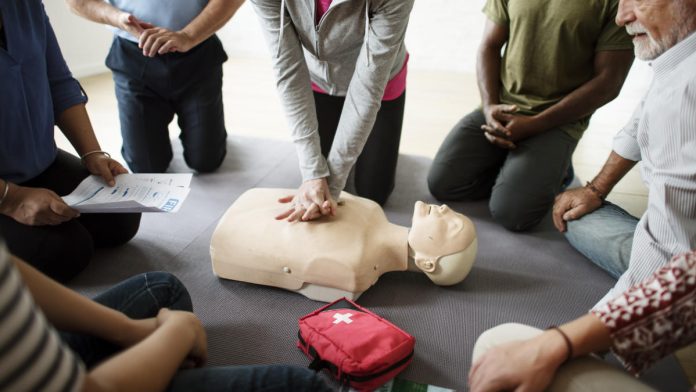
{"x":142,"y":296}
{"x":605,"y":236}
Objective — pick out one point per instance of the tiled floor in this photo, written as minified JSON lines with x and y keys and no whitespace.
{"x":435,"y":101}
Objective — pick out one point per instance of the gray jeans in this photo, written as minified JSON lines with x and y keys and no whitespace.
{"x":521,"y":183}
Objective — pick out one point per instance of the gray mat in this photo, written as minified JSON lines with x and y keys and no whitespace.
{"x":534,"y":278}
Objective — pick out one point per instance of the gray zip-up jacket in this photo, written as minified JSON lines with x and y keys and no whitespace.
{"x":341,"y":58}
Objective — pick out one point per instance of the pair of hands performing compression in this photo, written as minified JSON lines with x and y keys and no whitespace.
{"x":312,"y":200}
{"x":154,"y":40}
{"x":40,"y":206}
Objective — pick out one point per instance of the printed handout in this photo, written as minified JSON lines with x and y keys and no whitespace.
{"x":142,"y":192}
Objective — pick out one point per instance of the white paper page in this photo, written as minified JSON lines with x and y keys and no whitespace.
{"x":172,"y":179}
{"x":132,"y":193}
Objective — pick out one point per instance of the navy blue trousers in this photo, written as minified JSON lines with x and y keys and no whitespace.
{"x":151,"y":90}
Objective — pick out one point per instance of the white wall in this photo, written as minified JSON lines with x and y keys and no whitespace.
{"x":442,"y":35}
{"x":84,"y":43}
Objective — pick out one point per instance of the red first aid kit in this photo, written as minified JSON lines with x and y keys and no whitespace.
{"x":358,"y":347}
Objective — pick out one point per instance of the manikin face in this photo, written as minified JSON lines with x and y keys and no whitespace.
{"x":437,"y":231}
{"x":656,"y":25}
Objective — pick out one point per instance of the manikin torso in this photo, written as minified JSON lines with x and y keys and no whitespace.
{"x":336,"y":256}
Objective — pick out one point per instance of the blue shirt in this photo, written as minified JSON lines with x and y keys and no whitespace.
{"x":36,"y":87}
{"x":173,"y":15}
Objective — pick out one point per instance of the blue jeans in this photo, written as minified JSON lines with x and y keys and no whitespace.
{"x":605,"y":236}
{"x":142,"y":296}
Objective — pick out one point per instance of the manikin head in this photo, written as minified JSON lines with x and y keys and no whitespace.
{"x":656,"y":25}
{"x":442,"y":242}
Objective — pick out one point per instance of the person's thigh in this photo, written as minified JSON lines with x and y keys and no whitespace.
{"x":144,"y":111}
{"x":248,"y":378}
{"x":466,"y":164}
{"x":328,"y":109}
{"x":375,"y":168}
{"x":582,"y":374}
{"x":139,"y":297}
{"x":201,"y":119}
{"x":530,"y":179}
{"x":59,"y":251}
{"x":605,"y":236}
{"x":106,"y":230}
{"x":145,"y":119}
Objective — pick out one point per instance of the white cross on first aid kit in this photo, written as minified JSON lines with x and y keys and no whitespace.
{"x":340,"y":317}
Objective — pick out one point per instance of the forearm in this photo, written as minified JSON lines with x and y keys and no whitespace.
{"x":294,"y":87}
{"x":149,"y":365}
{"x":580,"y":103}
{"x":76,"y":126}
{"x":215,"y":14}
{"x":97,"y":11}
{"x":587,"y":335}
{"x":488,"y":72}
{"x":612,"y":172}
{"x":69,"y":311}
{"x":610,"y":71}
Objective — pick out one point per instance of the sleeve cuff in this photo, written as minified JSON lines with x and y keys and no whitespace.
{"x":626,"y":146}
{"x":312,"y":163}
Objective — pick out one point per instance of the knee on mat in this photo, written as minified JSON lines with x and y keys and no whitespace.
{"x":513,"y":217}
{"x":169,"y":291}
{"x":442,"y":187}
{"x":438,"y":185}
{"x":122,"y":228}
{"x":495,"y":336}
{"x":63,"y":257}
{"x":205,"y":163}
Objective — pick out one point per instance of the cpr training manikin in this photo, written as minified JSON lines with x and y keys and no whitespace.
{"x":341,"y":255}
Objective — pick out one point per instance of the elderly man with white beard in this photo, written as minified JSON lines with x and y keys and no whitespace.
{"x":651,"y":311}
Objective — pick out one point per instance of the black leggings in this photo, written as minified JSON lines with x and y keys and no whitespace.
{"x":375,"y":170}
{"x":64,"y":250}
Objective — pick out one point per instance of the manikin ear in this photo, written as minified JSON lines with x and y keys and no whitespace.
{"x":451,"y":269}
{"x":426,"y":265}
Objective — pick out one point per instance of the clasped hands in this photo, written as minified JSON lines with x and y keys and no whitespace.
{"x":312,"y":200}
{"x":504,"y":128}
{"x":154,"y":40}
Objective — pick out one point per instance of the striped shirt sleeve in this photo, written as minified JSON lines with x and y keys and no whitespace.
{"x":32,"y":355}
{"x":626,"y":140}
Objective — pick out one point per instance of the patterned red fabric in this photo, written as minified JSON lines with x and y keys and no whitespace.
{"x":654,"y":318}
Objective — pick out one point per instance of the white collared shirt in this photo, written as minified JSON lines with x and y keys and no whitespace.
{"x":662,"y":135}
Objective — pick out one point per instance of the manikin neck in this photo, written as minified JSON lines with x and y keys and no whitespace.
{"x":395,"y":239}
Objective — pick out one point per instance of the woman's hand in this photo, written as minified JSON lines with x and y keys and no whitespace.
{"x":102,"y":165}
{"x":36,"y":206}
{"x":187,"y":320}
{"x":313,"y":200}
{"x":526,"y":365}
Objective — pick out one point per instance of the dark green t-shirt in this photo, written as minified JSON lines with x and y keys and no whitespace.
{"x":551,"y":48}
